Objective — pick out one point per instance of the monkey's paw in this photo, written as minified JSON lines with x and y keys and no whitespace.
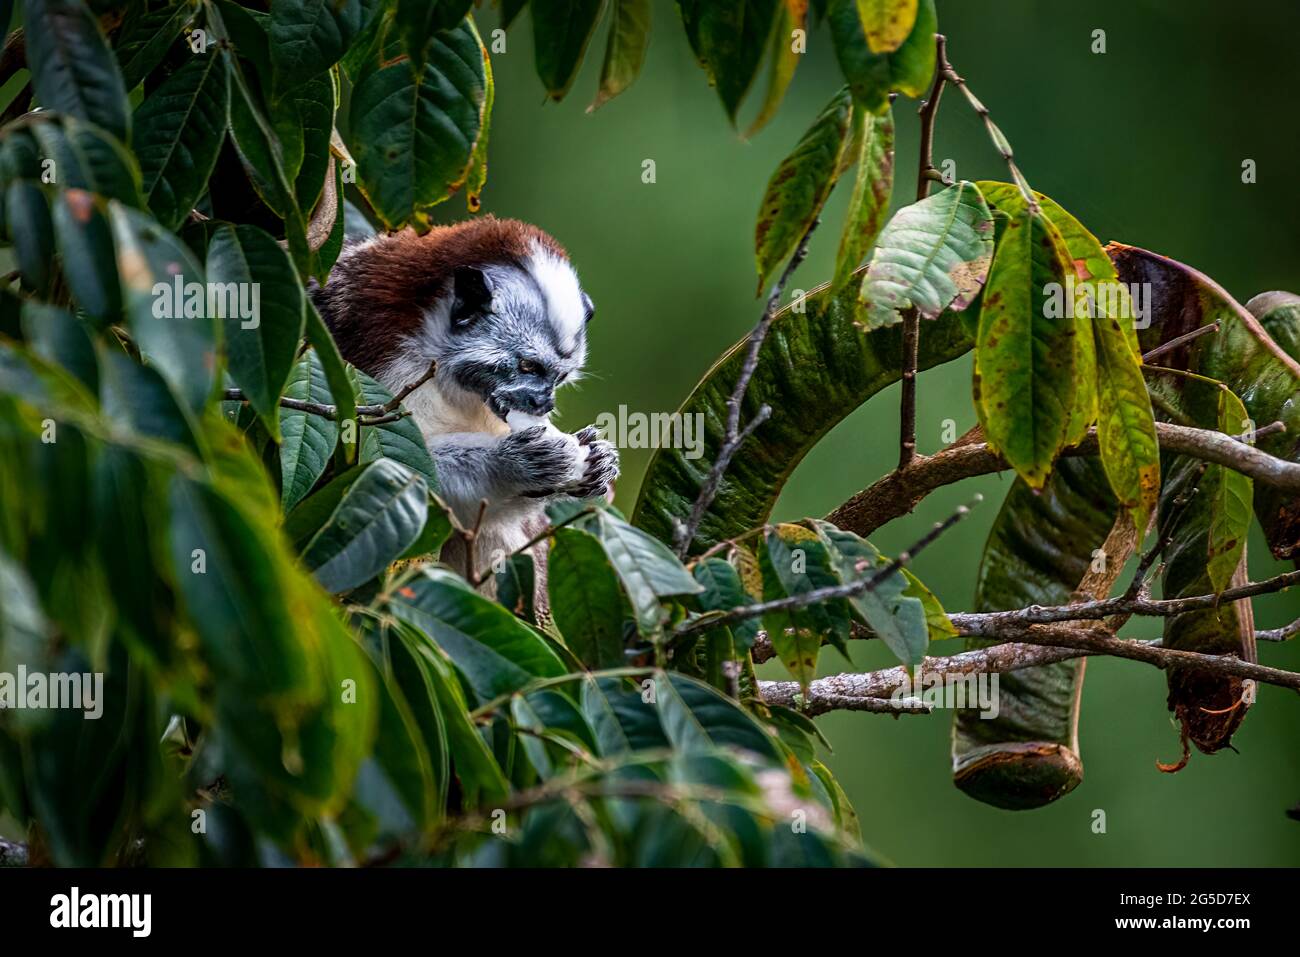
{"x":600,"y":467}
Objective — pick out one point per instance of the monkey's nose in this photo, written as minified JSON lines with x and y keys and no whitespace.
{"x":539,"y":403}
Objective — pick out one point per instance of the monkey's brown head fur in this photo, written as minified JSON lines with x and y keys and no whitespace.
{"x":494,"y":301}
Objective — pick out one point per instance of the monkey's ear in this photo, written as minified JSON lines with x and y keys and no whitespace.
{"x":589,"y":308}
{"x":471,"y":295}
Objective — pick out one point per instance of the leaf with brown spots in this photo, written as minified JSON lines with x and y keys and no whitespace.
{"x":933,"y":255}
{"x":1025,"y":361}
{"x":799,"y":187}
{"x":1110,"y":389}
{"x":886,"y":23}
{"x":1230,"y":496}
{"x":871,"y":191}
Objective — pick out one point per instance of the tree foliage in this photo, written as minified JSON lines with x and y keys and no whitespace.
{"x":239,"y":530}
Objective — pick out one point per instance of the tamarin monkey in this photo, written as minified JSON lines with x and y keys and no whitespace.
{"x":498,"y":306}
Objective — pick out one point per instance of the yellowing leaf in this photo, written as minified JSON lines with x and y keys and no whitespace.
{"x":799,"y":187}
{"x":886,"y":23}
{"x":1025,"y":361}
{"x":871,"y":190}
{"x":1231,"y":498}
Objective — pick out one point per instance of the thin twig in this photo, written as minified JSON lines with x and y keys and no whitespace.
{"x":996,"y":622}
{"x":1285,"y":633}
{"x":470,"y":536}
{"x":376,"y":414}
{"x":734,"y":434}
{"x":999,"y":139}
{"x":1174,"y":343}
{"x":928,"y":112}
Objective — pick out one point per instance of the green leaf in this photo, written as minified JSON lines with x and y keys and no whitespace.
{"x":400,"y":441}
{"x":229,"y":575}
{"x":146,"y":36}
{"x":73,"y":70}
{"x":898,"y":618}
{"x":1279,"y":316}
{"x":629,"y":35}
{"x":586,"y":601}
{"x":515,"y":581}
{"x":482,"y":783}
{"x":417,"y":20}
{"x":137,"y":397}
{"x":179,"y":129}
{"x":1107,"y":342}
{"x":1231,"y":495}
{"x":561,"y":31}
{"x":303,"y":121}
{"x":151,"y":265}
{"x":496,"y":652}
{"x":409,"y":669}
{"x":58,"y":338}
{"x":33,"y":234}
{"x":476,"y":178}
{"x":308,"y":440}
{"x":795,"y":561}
{"x":260,"y":303}
{"x":728,"y":40}
{"x":377,"y":519}
{"x":396,"y":783}
{"x":887,"y":23}
{"x":818,"y":350}
{"x":723,"y":590}
{"x":622,"y":719}
{"x":85,"y":245}
{"x":800,"y":186}
{"x":873,"y":76}
{"x":1025,"y":355}
{"x":1126,"y":430}
{"x":1040,"y":548}
{"x":413,"y":133}
{"x":310,"y":36}
{"x":336,"y":375}
{"x":697,"y":719}
{"x":645,"y":566}
{"x":931,"y":256}
{"x":937,"y":621}
{"x":87,"y":158}
{"x":782,"y":61}
{"x":872,"y":186}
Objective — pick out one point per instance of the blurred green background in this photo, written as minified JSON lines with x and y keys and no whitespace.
{"x":1145,"y":144}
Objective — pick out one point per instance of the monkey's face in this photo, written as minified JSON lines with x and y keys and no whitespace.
{"x":516,"y":333}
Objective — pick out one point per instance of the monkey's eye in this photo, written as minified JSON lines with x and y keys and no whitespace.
{"x":528,"y":367}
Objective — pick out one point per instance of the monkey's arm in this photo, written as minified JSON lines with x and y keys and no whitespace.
{"x":522,"y":466}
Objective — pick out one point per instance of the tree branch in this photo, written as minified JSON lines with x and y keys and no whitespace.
{"x":993,"y":624}
{"x":734,"y":434}
{"x":898,"y":493}
{"x":377,"y":414}
{"x":1025,"y":648}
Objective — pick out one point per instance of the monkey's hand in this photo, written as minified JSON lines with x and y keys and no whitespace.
{"x":556,"y":463}
{"x":600,"y":467}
